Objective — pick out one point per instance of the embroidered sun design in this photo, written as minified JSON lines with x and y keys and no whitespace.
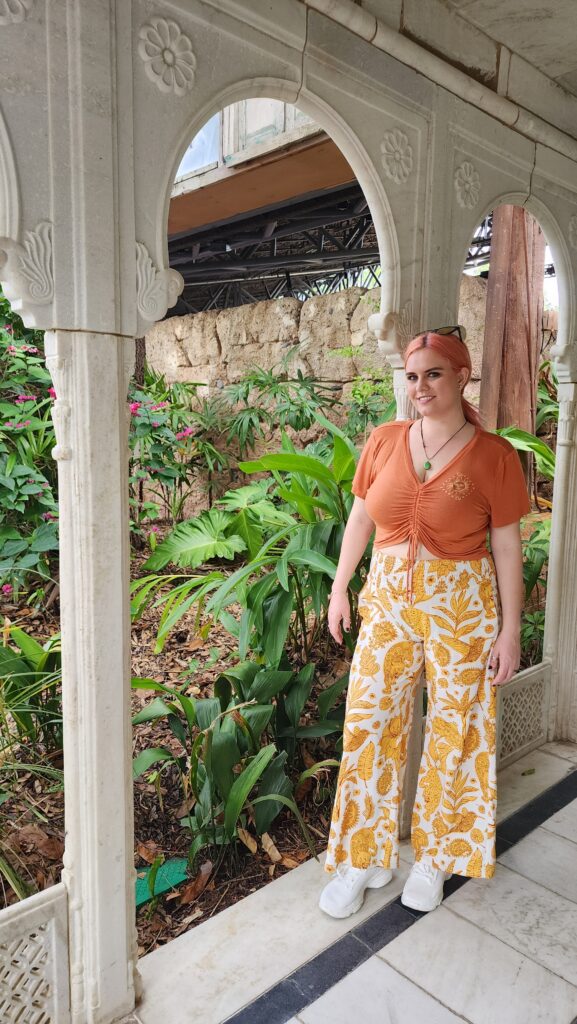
{"x":458,"y":486}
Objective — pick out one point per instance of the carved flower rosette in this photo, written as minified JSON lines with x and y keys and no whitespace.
{"x":396,"y":155}
{"x":167,"y":54}
{"x":467,"y":185}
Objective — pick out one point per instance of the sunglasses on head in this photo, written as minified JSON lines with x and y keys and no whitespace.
{"x":459,"y":331}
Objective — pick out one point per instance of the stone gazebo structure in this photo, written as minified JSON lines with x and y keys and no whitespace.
{"x":99,"y":100}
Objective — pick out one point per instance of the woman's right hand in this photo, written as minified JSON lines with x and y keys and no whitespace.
{"x":339,"y":616}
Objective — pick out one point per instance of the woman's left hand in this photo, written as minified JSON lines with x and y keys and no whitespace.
{"x":505,"y":657}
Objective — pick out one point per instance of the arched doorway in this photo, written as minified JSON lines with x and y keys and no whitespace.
{"x":205,"y":195}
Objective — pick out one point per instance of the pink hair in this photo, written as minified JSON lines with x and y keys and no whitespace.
{"x":451,"y":348}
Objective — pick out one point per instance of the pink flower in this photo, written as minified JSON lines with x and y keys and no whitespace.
{"x":160,"y":405}
{"x":52,"y":392}
{"x":154,"y":529}
{"x":7,"y":588}
{"x":12,"y":348}
{"x":48,"y":516}
{"x":155,"y":423}
{"x":31,"y":349}
{"x":9,"y":423}
{"x":9,"y":328}
{"x":25,"y":398}
{"x":184,"y":433}
{"x":26,"y":423}
{"x":134,"y":407}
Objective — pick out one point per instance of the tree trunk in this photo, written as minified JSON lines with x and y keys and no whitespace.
{"x":140,"y":361}
{"x":513,"y":322}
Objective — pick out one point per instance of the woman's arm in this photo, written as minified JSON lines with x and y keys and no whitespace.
{"x":508,"y":558}
{"x":355,"y":539}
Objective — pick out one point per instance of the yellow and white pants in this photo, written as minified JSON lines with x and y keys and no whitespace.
{"x":448,"y":624}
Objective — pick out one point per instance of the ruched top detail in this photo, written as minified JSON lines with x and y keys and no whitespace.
{"x":450,"y":514}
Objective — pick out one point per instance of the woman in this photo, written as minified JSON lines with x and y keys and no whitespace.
{"x":433,"y":487}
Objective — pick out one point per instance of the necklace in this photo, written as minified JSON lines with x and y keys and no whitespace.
{"x":428,"y":458}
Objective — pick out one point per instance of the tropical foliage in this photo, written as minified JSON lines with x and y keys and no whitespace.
{"x":258,"y":561}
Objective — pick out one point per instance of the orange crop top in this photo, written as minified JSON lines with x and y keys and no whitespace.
{"x":482,"y":486}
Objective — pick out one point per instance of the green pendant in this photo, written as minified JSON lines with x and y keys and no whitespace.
{"x":427,"y":464}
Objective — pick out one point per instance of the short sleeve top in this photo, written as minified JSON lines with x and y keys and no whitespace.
{"x":482,"y":486}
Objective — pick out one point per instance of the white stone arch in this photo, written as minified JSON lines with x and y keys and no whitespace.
{"x":340,"y":132}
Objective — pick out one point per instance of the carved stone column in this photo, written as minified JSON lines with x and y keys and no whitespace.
{"x":405,"y":410}
{"x":90,"y":374}
{"x":393,"y":332}
{"x":560,"y":646}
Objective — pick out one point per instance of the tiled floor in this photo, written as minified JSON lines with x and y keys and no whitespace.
{"x":493,"y":953}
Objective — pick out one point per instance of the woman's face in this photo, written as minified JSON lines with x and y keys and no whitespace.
{"x":433,"y":386}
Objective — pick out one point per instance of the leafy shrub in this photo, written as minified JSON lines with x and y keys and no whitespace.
{"x":547,"y":400}
{"x":292,"y":525}
{"x":28,"y":484}
{"x":535,"y":560}
{"x":227,"y":770}
{"x":171,"y":442}
{"x":30,"y":707}
{"x":371,"y":402}
{"x":265,"y":400}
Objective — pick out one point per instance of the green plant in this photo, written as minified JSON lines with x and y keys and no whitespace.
{"x":371,"y":402}
{"x":532,"y":634}
{"x":547,"y":400}
{"x":535,"y":557}
{"x":269,"y":399}
{"x":535,"y":560}
{"x":283,"y":589}
{"x":196,"y":541}
{"x":28,"y":507}
{"x":172,"y":442}
{"x":30,"y":706}
{"x":226,"y":771}
{"x":525,"y":442}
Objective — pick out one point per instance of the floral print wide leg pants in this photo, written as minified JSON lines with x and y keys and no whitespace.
{"x":448,"y":625}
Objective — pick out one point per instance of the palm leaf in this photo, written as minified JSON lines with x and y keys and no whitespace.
{"x":197,"y":541}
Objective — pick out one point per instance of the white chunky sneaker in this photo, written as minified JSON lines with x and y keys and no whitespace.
{"x":424,"y":887}
{"x":345,"y":892}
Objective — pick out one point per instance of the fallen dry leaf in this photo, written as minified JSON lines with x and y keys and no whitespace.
{"x":269,"y":848}
{"x":271,"y":869}
{"x":248,"y":840}
{"x":34,"y":838}
{"x":289,"y":862}
{"x":195,"y":887}
{"x":148,"y":850}
{"x":308,"y":759}
{"x":186,"y":806}
{"x":302,"y":789}
{"x":187,"y":921}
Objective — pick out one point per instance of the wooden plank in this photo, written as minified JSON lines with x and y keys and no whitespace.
{"x":522,"y":335}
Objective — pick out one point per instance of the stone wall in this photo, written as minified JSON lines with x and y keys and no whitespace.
{"x":218,"y":347}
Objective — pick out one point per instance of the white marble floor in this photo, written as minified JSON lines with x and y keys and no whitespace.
{"x":493,"y":953}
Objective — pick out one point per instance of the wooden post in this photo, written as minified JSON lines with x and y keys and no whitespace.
{"x":497,"y":286}
{"x":514,"y":314}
